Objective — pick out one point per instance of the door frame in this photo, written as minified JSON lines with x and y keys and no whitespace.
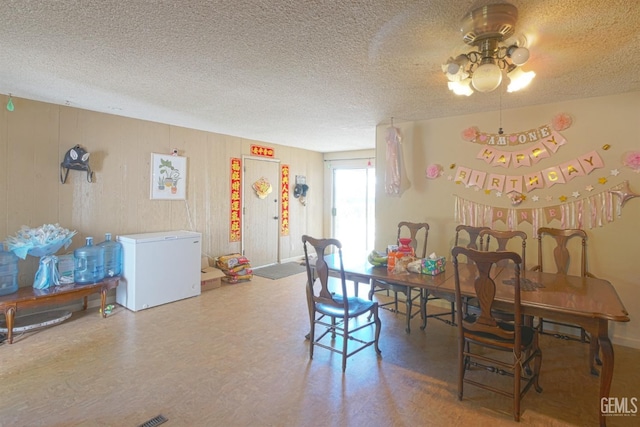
{"x":277,"y":189}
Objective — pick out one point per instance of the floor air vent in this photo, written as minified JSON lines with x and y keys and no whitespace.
{"x":155,"y":421}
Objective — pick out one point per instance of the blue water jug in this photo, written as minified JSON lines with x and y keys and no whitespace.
{"x":8,"y":272}
{"x":112,"y":256}
{"x":88,"y":263}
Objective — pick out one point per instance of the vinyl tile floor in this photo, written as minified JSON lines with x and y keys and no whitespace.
{"x":237,"y":356}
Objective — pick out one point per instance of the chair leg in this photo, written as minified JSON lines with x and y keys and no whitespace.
{"x":376,"y":319}
{"x":409,"y":304}
{"x":453,"y":313}
{"x":345,"y":342}
{"x":461,"y":366}
{"x":312,"y":337}
{"x":516,"y":388}
{"x":594,"y":358}
{"x":537,"y":364}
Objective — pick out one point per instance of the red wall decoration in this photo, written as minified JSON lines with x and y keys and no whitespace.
{"x":284,"y":197}
{"x":235,"y":230}
{"x":258,"y":150}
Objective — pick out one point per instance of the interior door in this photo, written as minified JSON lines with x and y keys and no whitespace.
{"x":261,"y":219}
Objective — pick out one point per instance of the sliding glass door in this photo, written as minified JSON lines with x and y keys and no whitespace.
{"x":353,"y":208}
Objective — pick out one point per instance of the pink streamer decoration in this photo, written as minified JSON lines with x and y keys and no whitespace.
{"x":592,"y":207}
{"x":579,"y":208}
{"x":600,"y":208}
{"x":609,"y":197}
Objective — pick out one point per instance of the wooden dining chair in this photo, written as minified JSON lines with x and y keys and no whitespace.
{"x":482,"y":335}
{"x":419,"y":234}
{"x":497,"y":240}
{"x":331,"y":308}
{"x":469,"y":237}
{"x":562,"y":258}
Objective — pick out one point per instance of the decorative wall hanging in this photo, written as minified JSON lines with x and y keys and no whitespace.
{"x":631,"y":159}
{"x":300,"y":190}
{"x":433,"y":171}
{"x":392,"y":175}
{"x":595,"y":210}
{"x":76,"y":158}
{"x":284,"y":196}
{"x":10,"y":106}
{"x":559,"y":122}
{"x":624,"y":193}
{"x":262,"y":187}
{"x":168,"y":177}
{"x":565,"y":172}
{"x":527,"y":157}
{"x":258,"y":150}
{"x":235,"y":216}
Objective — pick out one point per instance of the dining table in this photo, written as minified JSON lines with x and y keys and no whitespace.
{"x":585,"y":301}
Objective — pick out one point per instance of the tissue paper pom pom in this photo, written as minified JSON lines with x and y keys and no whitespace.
{"x":631,"y":159}
{"x":561,"y":121}
{"x":433,"y":171}
{"x":470,"y":134}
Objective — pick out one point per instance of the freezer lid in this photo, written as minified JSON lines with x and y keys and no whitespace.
{"x":159,"y":236}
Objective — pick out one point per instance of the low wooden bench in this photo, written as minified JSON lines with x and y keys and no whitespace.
{"x":28,"y":297}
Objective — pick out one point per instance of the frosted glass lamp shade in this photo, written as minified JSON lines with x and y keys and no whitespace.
{"x":462,"y":87}
{"x":486,"y":77}
{"x":520,"y":56}
{"x":519,"y":79}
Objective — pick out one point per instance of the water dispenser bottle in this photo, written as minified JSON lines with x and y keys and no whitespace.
{"x":112,"y":256}
{"x":89,"y":263}
{"x":8,"y":272}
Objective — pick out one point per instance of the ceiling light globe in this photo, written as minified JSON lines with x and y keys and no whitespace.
{"x":486,"y":77}
{"x":520,"y":56}
{"x":453,"y":68}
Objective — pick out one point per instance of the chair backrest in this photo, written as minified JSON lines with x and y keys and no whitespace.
{"x":496,"y":240}
{"x":414,"y":229}
{"x":473,"y":234}
{"x":485,"y":292}
{"x":561,"y":254}
{"x":323,"y":295}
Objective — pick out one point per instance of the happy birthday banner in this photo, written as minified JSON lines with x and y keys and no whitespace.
{"x":593,"y":211}
{"x":527,"y":157}
{"x":559,"y":122}
{"x":563,"y":173}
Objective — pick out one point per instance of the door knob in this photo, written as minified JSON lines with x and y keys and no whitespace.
{"x":275,"y":217}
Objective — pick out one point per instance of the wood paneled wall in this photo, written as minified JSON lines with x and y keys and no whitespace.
{"x":35,"y":137}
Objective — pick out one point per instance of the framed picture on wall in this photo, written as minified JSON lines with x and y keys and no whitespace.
{"x":168,"y":177}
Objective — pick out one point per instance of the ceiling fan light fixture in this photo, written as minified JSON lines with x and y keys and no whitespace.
{"x":519,"y":79}
{"x":519,"y":55}
{"x":486,"y":28}
{"x":487,"y":77}
{"x":462,"y":87}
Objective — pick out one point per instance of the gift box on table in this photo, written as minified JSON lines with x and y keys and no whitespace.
{"x":433,"y":266}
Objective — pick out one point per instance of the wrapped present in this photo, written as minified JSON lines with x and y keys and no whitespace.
{"x":433,"y":266}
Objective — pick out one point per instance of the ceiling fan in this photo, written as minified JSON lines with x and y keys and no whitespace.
{"x":489,"y":29}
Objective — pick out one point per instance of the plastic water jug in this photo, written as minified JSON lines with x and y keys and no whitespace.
{"x":8,"y":272}
{"x":112,"y":256}
{"x":88,"y":263}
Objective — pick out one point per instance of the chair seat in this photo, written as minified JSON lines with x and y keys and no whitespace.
{"x":357,"y":306}
{"x":527,"y":333}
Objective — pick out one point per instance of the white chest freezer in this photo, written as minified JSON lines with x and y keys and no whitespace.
{"x":158,"y":268}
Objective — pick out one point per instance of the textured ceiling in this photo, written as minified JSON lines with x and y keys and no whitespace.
{"x":319,"y":75}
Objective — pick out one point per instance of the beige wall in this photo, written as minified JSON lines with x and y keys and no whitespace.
{"x":35,"y":137}
{"x":613,"y":120}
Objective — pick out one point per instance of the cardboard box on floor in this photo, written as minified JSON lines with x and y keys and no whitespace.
{"x":209,"y":276}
